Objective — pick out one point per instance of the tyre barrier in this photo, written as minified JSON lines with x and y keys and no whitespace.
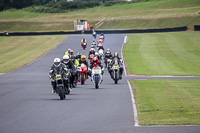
{"x":184,"y":28}
{"x":197,"y":28}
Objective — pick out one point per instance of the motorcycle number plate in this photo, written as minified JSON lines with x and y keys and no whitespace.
{"x":96,"y":71}
{"x":115,"y":67}
{"x":58,"y":76}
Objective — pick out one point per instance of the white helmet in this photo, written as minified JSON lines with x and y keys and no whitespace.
{"x":66,"y":58}
{"x":56,"y":62}
{"x":96,"y":54}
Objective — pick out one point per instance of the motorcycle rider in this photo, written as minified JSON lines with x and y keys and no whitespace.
{"x":68,"y":52}
{"x":71,"y":53}
{"x":97,"y":55}
{"x":95,"y":63}
{"x":78,"y":56}
{"x":76,"y":64}
{"x":119,"y":61}
{"x":93,"y":45}
{"x":70,"y":66}
{"x":84,"y":61}
{"x":94,"y":34}
{"x":83,"y":41}
{"x":102,"y":35}
{"x":56,"y":68}
{"x":92,"y":51}
{"x":108,"y":55}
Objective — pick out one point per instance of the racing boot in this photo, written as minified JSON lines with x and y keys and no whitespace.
{"x":53,"y":83}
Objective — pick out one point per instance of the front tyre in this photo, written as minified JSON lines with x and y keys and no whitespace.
{"x":96,"y":83}
{"x":61,"y":93}
{"x":82,"y":79}
{"x":116,"y":78}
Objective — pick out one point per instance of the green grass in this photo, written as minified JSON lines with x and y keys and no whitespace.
{"x":152,"y":14}
{"x":175,"y":53}
{"x":167,"y":102}
{"x":19,"y":51}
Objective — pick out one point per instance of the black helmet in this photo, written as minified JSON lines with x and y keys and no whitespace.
{"x":73,"y":57}
{"x":116,"y":54}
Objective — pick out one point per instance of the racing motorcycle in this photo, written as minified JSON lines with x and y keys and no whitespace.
{"x":115,"y":70}
{"x":97,"y":76}
{"x":101,"y":54}
{"x":62,"y":84}
{"x":84,"y":44}
{"x":83,"y":73}
{"x":94,"y":34}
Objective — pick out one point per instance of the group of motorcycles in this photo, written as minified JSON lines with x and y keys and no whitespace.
{"x":62,"y":77}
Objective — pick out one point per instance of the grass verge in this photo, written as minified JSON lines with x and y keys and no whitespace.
{"x":15,"y":52}
{"x":175,"y":53}
{"x":167,"y":102}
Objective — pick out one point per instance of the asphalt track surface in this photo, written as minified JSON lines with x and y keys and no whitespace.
{"x":28,"y":106}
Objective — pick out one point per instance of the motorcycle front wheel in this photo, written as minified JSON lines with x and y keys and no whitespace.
{"x":116,"y":78}
{"x":96,"y":83}
{"x":61,"y":93}
{"x":82,"y":79}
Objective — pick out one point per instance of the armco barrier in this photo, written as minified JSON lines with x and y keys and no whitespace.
{"x":41,"y":33}
{"x":140,"y":30}
{"x":197,"y":27}
{"x":99,"y":31}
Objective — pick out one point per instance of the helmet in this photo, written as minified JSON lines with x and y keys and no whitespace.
{"x":83,"y":58}
{"x":108,"y":52}
{"x":66,"y":58}
{"x":73,"y":57}
{"x":115,"y":54}
{"x":92,"y":49}
{"x":71,"y":52}
{"x":95,"y":59}
{"x":57,"y":62}
{"x":78,"y":55}
{"x":96,"y":54}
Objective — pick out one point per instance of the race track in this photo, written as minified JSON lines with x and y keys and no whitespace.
{"x":28,"y":106}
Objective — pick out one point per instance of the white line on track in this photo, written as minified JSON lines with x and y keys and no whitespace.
{"x":134,"y":105}
{"x":130,"y":88}
{"x":122,"y":54}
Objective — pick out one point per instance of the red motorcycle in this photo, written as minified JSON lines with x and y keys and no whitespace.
{"x":84,"y":44}
{"x":83,"y":73}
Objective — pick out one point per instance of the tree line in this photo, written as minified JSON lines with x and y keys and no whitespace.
{"x":54,"y":6}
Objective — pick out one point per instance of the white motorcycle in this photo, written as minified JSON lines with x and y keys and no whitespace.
{"x":97,"y":76}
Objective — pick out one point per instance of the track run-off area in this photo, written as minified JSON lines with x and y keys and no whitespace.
{"x":27,"y":104}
